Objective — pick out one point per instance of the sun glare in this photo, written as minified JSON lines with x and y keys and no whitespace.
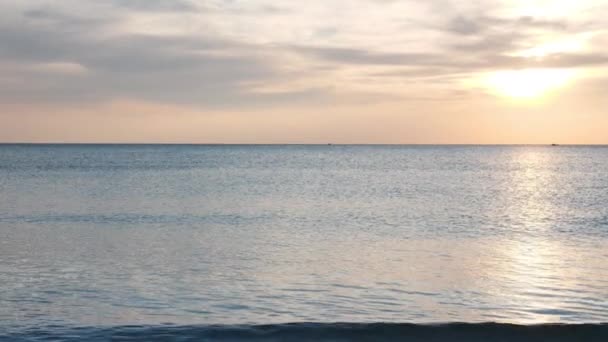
{"x":527,"y":83}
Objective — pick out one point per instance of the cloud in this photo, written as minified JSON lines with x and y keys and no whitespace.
{"x":156,"y":5}
{"x":360,"y":56}
{"x":454,"y":58}
{"x":79,"y":51}
{"x":174,"y":68}
{"x":482,"y":24}
{"x":465,"y":26}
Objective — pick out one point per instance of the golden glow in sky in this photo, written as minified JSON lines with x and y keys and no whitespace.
{"x":528,"y":83}
{"x":282,"y":71}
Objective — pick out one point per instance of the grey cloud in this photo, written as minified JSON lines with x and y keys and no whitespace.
{"x":48,"y":15}
{"x":180,"y":69}
{"x":463,"y":25}
{"x":360,"y":56}
{"x":237,"y":8}
{"x":146,"y":53}
{"x":350,"y":56}
{"x":212,"y":71}
{"x":452,"y":61}
{"x":490,"y":37}
{"x":537,"y":23}
{"x":491,"y":43}
{"x":569,"y":60}
{"x":482,"y":24}
{"x":160,"y":69}
{"x":155,"y":5}
{"x":483,"y":42}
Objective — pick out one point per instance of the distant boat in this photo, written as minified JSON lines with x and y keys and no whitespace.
{"x":554,"y":144}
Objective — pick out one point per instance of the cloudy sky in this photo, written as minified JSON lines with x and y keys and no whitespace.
{"x":341,"y":71}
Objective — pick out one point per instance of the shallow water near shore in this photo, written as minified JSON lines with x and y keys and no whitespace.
{"x":112,"y":236}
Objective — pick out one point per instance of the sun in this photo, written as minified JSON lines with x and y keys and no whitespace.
{"x":527,"y":83}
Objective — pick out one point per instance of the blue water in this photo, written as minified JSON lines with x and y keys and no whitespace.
{"x":127,"y":241}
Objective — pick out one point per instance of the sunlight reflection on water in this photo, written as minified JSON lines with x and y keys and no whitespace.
{"x":113,"y":235}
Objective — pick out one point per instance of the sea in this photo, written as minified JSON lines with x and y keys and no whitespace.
{"x":303,"y":243}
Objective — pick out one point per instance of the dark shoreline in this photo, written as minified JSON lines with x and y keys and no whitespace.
{"x":321,"y":332}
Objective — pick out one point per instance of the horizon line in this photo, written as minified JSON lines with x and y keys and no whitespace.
{"x":298,"y":144}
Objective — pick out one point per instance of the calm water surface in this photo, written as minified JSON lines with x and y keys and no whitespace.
{"x":117,"y":235}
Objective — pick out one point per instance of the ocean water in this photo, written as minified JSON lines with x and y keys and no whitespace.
{"x":227,"y":242}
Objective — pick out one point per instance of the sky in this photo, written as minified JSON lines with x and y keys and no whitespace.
{"x":339,"y":71}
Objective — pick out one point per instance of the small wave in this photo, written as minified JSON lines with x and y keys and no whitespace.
{"x":323,"y":332}
{"x":125,"y":218}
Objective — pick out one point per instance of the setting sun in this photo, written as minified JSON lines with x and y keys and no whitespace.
{"x":528,"y":83}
